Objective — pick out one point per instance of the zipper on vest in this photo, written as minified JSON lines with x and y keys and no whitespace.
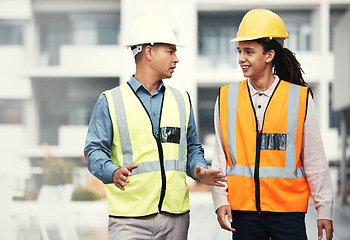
{"x":256,"y":172}
{"x":162,"y":171}
{"x":160,"y":150}
{"x":161,"y":160}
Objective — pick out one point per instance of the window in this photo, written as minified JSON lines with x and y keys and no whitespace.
{"x":298,"y":25}
{"x":57,"y":29}
{"x":11,"y":32}
{"x":66,"y":101}
{"x":11,"y":111}
{"x":215,"y":30}
{"x":95,"y":29}
{"x":334,"y":117}
{"x":206,"y":103}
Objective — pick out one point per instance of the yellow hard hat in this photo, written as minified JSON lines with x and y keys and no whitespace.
{"x":260,"y":23}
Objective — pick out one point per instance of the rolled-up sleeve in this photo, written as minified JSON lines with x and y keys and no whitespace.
{"x":97,"y":148}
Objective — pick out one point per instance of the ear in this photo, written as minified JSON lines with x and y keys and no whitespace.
{"x":148,"y":52}
{"x":270,"y":55}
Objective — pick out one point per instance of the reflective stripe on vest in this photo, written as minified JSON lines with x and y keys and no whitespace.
{"x":179,"y":165}
{"x":290,"y":160}
{"x":159,"y":159}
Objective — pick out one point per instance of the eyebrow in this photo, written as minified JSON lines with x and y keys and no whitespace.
{"x":246,"y":48}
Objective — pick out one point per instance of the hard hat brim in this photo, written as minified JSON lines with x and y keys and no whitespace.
{"x":240,"y":39}
{"x":141,"y":43}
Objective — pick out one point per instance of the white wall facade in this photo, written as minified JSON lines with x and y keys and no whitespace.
{"x":27,"y":68}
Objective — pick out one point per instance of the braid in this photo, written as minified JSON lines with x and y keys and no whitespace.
{"x":285,"y":64}
{"x":290,"y":68}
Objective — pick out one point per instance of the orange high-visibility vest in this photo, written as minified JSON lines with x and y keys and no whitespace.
{"x":264,"y":168}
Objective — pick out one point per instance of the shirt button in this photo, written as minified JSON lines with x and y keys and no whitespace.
{"x":259,"y":106}
{"x":260,"y":94}
{"x":154,"y":114}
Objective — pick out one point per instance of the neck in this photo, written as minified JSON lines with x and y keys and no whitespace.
{"x":264,"y":83}
{"x":150,"y":81}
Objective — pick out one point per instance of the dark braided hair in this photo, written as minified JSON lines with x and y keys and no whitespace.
{"x":285,"y":64}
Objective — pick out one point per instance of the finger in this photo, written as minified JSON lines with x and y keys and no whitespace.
{"x":320,"y":232}
{"x":225,"y":226}
{"x":229,"y":216}
{"x":218,"y":184}
{"x":120,"y":186}
{"x":130,"y":168}
{"x":329,"y":234}
{"x":221,"y":179}
{"x":123,"y":178}
{"x":222,"y":222}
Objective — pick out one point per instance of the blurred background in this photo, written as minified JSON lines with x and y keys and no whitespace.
{"x":57,"y":56}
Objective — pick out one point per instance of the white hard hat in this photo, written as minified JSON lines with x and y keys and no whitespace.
{"x":150,"y":30}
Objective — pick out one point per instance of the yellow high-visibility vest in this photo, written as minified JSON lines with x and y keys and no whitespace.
{"x":159,"y":182}
{"x":264,"y":168}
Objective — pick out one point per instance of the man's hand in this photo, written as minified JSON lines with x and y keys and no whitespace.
{"x":221,"y":214}
{"x":210,"y":176}
{"x":326,"y":225}
{"x":120,"y":176}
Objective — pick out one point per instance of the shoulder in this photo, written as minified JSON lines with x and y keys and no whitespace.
{"x":176,"y":90}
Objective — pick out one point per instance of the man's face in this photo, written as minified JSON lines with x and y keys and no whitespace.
{"x":252,"y":60}
{"x":164,"y":60}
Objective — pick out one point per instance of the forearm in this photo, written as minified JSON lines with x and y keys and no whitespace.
{"x":219,"y":194}
{"x":99,"y":164}
{"x":97,"y":149}
{"x":195,"y":151}
{"x":316,"y":165}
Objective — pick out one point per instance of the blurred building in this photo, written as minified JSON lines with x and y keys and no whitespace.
{"x":57,"y":56}
{"x":341,"y":102}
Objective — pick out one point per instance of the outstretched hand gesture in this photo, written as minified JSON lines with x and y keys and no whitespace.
{"x":120,"y":176}
{"x":210,"y":176}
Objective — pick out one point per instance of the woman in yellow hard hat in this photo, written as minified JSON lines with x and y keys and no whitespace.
{"x":268,"y":142}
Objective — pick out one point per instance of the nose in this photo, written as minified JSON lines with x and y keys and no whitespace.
{"x":176,"y":60}
{"x":241,"y":58}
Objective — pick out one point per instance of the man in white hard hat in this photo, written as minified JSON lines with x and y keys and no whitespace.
{"x":142,"y":141}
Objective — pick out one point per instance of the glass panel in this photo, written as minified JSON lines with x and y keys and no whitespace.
{"x":206,"y":102}
{"x":215,"y":30}
{"x":11,"y":32}
{"x":66,"y":102}
{"x":84,"y":32}
{"x":11,"y":111}
{"x":57,"y":29}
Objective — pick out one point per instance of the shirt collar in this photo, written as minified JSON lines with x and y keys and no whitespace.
{"x":268,"y":92}
{"x":136,"y":85}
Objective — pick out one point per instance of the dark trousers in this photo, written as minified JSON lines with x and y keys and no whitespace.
{"x":268,"y":226}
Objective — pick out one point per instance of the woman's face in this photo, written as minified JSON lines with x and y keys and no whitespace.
{"x":254,"y":63}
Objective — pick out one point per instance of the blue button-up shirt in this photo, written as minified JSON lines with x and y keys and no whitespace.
{"x":97,"y":149}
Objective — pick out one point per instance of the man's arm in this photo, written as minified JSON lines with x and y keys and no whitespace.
{"x":196,"y":164}
{"x":97,"y":149}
